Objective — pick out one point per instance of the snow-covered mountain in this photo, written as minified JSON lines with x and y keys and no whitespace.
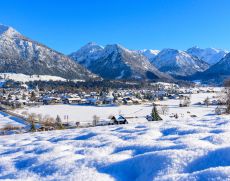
{"x":116,"y":62}
{"x":149,"y":53}
{"x":87,"y":54}
{"x":217,"y":72}
{"x":209,"y":55}
{"x":19,"y":54}
{"x":178,"y":63}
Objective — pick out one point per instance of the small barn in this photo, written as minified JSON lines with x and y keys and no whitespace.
{"x":72,"y":100}
{"x":119,"y":120}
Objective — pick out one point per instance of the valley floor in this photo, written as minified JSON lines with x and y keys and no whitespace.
{"x":84,"y":113}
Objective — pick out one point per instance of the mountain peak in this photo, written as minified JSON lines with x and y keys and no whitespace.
{"x":8,"y":31}
{"x":92,"y":43}
{"x":178,"y":63}
{"x":118,"y":62}
{"x":19,"y":54}
{"x":89,"y":48}
{"x":169,"y":51}
{"x":209,"y":55}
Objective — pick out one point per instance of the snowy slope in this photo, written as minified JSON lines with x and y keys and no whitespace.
{"x":217,"y":72}
{"x":88,"y":53}
{"x":209,"y":55}
{"x":18,"y":54}
{"x":116,"y":62}
{"x":178,"y":63}
{"x":6,"y":119}
{"x":168,"y":150}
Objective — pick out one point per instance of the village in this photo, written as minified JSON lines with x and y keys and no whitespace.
{"x":38,"y":109}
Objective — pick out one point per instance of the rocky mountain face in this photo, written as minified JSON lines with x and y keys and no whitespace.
{"x":117,"y":62}
{"x":209,"y":55}
{"x":19,"y":54}
{"x":178,"y":63}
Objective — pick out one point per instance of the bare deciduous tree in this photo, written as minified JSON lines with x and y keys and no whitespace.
{"x":164,"y":109}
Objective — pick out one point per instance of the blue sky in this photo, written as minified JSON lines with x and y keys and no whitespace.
{"x":66,"y":25}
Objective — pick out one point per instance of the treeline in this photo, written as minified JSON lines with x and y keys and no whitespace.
{"x":70,"y":86}
{"x":93,"y":85}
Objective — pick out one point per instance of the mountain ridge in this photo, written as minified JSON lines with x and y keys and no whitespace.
{"x":19,"y":54}
{"x":122,"y":62}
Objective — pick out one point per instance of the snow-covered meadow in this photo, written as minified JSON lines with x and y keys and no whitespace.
{"x":192,"y":149}
{"x":84,"y":113}
{"x":18,"y":77}
{"x":188,"y":148}
{"x":27,"y":78}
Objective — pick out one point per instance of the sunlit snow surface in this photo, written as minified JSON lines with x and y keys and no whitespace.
{"x":183,"y":149}
{"x":167,"y":150}
{"x":6,"y":119}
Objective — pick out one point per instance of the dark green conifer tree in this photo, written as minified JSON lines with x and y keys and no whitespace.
{"x":155,"y":114}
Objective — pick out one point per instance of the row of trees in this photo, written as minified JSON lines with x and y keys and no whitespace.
{"x":44,"y":121}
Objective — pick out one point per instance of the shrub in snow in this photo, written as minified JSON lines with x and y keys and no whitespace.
{"x":32,"y":128}
{"x":207,"y":101}
{"x":48,"y":121}
{"x":9,"y":127}
{"x":31,"y":119}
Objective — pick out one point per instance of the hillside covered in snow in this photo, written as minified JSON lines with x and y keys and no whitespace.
{"x":209,"y":55}
{"x":178,"y":63}
{"x":19,"y":54}
{"x":117,"y":62}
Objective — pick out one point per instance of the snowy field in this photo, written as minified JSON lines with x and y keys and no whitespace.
{"x":27,"y":78}
{"x":192,"y":149}
{"x":188,"y":148}
{"x":84,"y":114}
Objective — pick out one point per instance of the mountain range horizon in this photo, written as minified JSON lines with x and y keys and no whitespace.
{"x":122,"y":44}
{"x":112,"y":61}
